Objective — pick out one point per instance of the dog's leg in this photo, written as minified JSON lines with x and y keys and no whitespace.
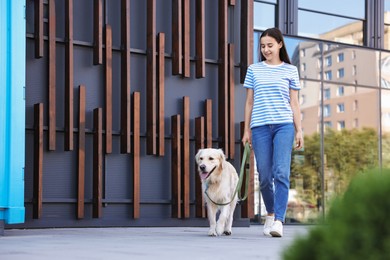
{"x":225,"y":211}
{"x":229,"y":221}
{"x":212,"y":214}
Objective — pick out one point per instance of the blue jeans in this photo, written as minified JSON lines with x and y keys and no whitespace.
{"x":272,"y":145}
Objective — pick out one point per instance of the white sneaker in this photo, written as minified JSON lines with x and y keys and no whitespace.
{"x":277,"y":229}
{"x":269,"y":221}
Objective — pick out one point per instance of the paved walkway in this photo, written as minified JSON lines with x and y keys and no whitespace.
{"x":144,"y":243}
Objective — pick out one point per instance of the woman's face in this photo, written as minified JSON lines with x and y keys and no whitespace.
{"x":270,"y":49}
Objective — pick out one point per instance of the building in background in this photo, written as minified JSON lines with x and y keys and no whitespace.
{"x":121,"y":94}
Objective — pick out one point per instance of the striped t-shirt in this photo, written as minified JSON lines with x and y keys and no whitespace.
{"x":271,"y":92}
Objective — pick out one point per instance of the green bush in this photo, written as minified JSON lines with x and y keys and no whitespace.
{"x":357,"y":226}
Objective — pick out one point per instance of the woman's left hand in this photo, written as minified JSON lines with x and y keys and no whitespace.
{"x":298,"y":140}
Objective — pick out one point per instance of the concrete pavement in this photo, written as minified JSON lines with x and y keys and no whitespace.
{"x":144,"y":243}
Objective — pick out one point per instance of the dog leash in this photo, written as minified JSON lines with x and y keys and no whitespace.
{"x":245,"y":161}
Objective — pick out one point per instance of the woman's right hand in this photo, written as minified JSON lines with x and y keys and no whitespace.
{"x":246,"y":138}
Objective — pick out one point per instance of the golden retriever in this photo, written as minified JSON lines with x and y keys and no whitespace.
{"x":219,"y":179}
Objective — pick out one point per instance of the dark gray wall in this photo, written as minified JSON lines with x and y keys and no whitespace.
{"x":60,"y":167}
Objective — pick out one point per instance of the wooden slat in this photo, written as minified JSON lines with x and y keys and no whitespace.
{"x":247,"y":207}
{"x":52,"y":75}
{"x":125,"y":77}
{"x":200,"y":210}
{"x":246,"y":39}
{"x":176,"y":167}
{"x":108,"y":72}
{"x":38,"y":28}
{"x":136,"y":154}
{"x":97,"y":163}
{"x":200,"y":40}
{"x":231,"y":102}
{"x":186,"y":38}
{"x":177,"y":51}
{"x":38,"y":160}
{"x":69,"y":78}
{"x":151,"y":136}
{"x":97,"y":32}
{"x":161,"y":94}
{"x":209,"y":122}
{"x":186,"y":157}
{"x":81,"y":155}
{"x":233,"y":2}
{"x":222,"y":77}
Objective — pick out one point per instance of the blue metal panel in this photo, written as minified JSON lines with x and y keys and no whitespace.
{"x":12,"y":110}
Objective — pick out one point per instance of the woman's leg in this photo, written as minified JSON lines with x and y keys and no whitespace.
{"x":262,"y":146}
{"x":282,"y":147}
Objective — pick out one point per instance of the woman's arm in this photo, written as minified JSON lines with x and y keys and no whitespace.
{"x":294,"y":102}
{"x":247,"y":117}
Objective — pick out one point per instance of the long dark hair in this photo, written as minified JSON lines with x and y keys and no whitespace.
{"x":277,"y":35}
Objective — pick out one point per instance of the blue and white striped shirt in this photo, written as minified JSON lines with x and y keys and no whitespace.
{"x":271,"y":92}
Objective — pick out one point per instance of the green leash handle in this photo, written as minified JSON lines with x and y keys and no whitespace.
{"x":244,"y":162}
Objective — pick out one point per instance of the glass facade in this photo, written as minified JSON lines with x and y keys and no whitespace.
{"x":264,"y":14}
{"x":345,"y":102}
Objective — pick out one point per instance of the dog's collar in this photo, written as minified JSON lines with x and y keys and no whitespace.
{"x":208,"y":175}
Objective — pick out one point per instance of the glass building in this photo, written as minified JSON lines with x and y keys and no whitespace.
{"x":341,"y":49}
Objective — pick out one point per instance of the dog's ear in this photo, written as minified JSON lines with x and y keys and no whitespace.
{"x":198,"y":155}
{"x":221,"y":157}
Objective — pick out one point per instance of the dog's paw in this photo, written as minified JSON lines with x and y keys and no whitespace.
{"x":219,"y":230}
{"x":212,"y":233}
{"x":227,"y":232}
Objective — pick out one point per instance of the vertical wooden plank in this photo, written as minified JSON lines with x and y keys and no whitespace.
{"x":176,"y":167}
{"x":161,"y":93}
{"x":177,"y":37}
{"x":200,"y":40}
{"x":151,"y":79}
{"x":246,"y":39}
{"x":69,"y":79}
{"x":125,"y":77}
{"x":108,"y":72}
{"x":38,"y":160}
{"x":222,"y":76}
{"x":38,"y":28}
{"x":209,"y":122}
{"x":81,"y":154}
{"x":136,"y":154}
{"x":232,"y":2}
{"x":97,"y":32}
{"x":52,"y":75}
{"x":247,"y":207}
{"x":231,"y":102}
{"x":200,"y":210}
{"x":97,"y":163}
{"x":186,"y":38}
{"x":186,"y":157}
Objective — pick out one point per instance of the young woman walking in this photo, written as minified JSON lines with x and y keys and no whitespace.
{"x":272,"y":119}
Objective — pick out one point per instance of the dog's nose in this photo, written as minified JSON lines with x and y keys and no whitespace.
{"x":202,"y":167}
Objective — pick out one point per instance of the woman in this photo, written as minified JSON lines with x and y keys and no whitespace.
{"x":272,"y":113}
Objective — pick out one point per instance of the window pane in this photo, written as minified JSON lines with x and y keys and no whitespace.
{"x":331,"y":28}
{"x":387,"y":25}
{"x":354,"y":65}
{"x":336,"y":7}
{"x":307,"y":53}
{"x":385,"y":70}
{"x":304,"y":203}
{"x":351,"y":141}
{"x":386,"y":128}
{"x":263,"y":16}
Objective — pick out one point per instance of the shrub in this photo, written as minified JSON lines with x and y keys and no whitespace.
{"x":357,"y":226}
